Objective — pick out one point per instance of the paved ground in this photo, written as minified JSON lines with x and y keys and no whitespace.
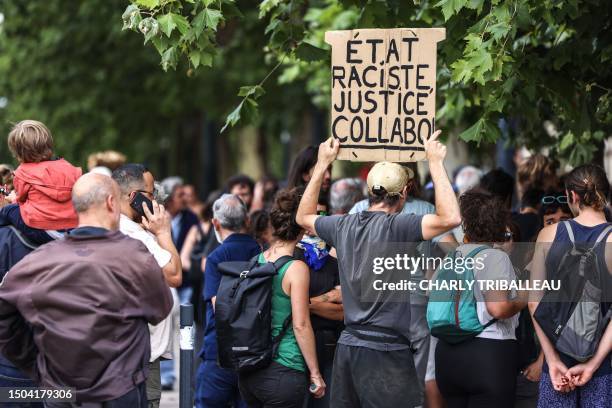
{"x":170,"y":399}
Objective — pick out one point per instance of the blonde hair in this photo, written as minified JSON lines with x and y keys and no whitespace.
{"x":30,"y":141}
{"x":107,"y":158}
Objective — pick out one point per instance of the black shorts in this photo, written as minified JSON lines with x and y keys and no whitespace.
{"x":274,"y":386}
{"x":367,"y":378}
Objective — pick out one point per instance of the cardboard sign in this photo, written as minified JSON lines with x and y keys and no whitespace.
{"x":383,"y":92}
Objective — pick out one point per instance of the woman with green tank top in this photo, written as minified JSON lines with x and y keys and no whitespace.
{"x":285,"y":382}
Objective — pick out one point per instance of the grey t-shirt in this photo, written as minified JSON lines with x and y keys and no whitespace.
{"x":358,"y":239}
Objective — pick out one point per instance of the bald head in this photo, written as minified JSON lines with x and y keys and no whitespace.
{"x":94,"y":197}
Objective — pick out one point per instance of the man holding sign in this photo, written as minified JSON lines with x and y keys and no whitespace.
{"x":373,"y":365}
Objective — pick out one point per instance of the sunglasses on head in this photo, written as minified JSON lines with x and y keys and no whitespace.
{"x":551,"y":199}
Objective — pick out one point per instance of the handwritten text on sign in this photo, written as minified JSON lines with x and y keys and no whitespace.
{"x":383,"y":92}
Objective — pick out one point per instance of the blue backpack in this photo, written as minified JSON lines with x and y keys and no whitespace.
{"x":451,"y":314}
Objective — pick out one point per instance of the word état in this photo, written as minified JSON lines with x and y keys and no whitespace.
{"x":382,"y":98}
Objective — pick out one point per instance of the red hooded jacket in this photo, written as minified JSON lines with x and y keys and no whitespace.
{"x":44,"y":194}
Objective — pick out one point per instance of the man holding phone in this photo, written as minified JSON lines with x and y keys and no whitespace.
{"x":143,"y":219}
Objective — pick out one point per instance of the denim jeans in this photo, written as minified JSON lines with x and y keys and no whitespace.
{"x":13,"y":378}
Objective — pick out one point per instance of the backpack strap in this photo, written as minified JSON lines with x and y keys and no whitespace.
{"x":277,"y":339}
{"x":570,"y":232}
{"x":476,"y":251}
{"x":603,"y":234}
{"x":282,"y":261}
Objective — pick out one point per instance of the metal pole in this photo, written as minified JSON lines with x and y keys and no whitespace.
{"x":186,"y":344}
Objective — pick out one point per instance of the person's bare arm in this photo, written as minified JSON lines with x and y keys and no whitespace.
{"x":190,"y":240}
{"x":582,"y":373}
{"x":328,"y":310}
{"x":307,"y":211}
{"x":500,"y":307}
{"x":556,"y":368}
{"x":447,"y":214}
{"x":160,"y":225}
{"x":298,"y":279}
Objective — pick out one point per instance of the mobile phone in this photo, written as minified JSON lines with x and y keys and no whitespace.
{"x":137,"y":201}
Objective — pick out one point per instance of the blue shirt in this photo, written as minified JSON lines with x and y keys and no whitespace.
{"x":236,"y":247}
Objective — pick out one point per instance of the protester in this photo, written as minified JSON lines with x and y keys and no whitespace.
{"x":482,"y":371}
{"x":99,"y":289}
{"x":528,"y":220}
{"x":500,"y":184}
{"x":43,"y":183}
{"x":554,"y":208}
{"x":302,"y":169}
{"x":377,"y":337}
{"x":536,"y":172}
{"x":326,"y":311}
{"x":154,"y":231}
{"x":192,"y":200}
{"x":263,"y":194}
{"x":344,"y":194}
{"x":467,"y":177}
{"x":216,"y":386}
{"x":565,"y":381}
{"x":284,"y":383}
{"x":259,"y":228}
{"x":419,"y":331}
{"x":105,"y":162}
{"x":242,"y":186}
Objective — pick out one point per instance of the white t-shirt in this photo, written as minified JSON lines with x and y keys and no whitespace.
{"x":161,"y":334}
{"x":497,"y":266}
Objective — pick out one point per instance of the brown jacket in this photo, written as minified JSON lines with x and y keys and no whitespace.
{"x":74,"y":313}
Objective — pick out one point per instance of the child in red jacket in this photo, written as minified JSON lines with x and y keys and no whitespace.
{"x":43,"y":183}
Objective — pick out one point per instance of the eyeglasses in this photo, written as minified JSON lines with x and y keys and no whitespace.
{"x":551,"y":199}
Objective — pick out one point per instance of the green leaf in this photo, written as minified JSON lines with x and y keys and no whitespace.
{"x":161,"y":43}
{"x":150,"y":4}
{"x":212,"y":18}
{"x":255,"y":91}
{"x":233,"y":117}
{"x":131,"y":17}
{"x":451,"y":7}
{"x":169,"y":59}
{"x":483,"y":129}
{"x":207,"y":2}
{"x":199,"y":57}
{"x":567,"y":141}
{"x":180,"y":22}
{"x":308,"y":52}
{"x":166,"y":24}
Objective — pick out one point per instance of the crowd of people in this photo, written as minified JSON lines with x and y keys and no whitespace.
{"x":94,"y":266}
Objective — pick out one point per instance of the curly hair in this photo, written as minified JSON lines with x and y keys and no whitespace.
{"x":485,"y":218}
{"x":282,"y":215}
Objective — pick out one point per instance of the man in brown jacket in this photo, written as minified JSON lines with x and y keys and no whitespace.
{"x":74,"y":312}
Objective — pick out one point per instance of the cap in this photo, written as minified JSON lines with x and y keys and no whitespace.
{"x":389,"y":178}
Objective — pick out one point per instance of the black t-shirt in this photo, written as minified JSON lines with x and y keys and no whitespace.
{"x":322,"y":281}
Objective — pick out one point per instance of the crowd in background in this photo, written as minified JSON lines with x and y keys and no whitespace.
{"x":69,"y":222}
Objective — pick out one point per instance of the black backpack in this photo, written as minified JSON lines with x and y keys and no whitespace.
{"x":572,"y":317}
{"x":243,"y":314}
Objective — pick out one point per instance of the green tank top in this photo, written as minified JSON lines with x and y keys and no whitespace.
{"x":289,"y":353}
